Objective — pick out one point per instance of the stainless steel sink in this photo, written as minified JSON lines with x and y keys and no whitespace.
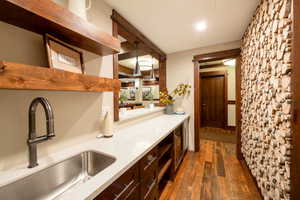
{"x":53,"y":181}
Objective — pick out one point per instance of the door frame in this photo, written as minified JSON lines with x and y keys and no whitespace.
{"x":227,"y":54}
{"x":225,"y":90}
{"x":295,"y":82}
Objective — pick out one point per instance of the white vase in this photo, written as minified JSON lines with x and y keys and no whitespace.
{"x":179,"y":107}
{"x":79,"y":7}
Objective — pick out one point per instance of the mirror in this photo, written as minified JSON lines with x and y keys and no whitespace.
{"x":139,"y":91}
{"x":141,"y":68}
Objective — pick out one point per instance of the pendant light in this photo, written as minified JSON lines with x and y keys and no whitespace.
{"x":137,"y":69}
{"x":152,"y":73}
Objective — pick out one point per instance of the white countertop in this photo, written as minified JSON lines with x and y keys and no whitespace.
{"x":127,"y":146}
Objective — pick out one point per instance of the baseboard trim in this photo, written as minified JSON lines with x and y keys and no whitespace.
{"x":247,"y":170}
{"x":231,"y":128}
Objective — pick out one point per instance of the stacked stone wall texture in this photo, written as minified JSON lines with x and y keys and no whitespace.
{"x":266,"y":98}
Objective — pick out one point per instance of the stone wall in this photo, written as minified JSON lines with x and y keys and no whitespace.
{"x":266,"y":97}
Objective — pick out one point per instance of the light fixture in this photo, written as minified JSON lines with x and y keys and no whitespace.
{"x":145,"y":64}
{"x":152,"y":73}
{"x":137,"y":69}
{"x":201,"y":26}
{"x":230,"y":62}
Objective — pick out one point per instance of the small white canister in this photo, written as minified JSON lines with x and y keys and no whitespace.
{"x":79,"y":7}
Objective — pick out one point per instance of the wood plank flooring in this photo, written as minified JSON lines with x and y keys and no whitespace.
{"x":218,"y":134}
{"x":214,"y":173}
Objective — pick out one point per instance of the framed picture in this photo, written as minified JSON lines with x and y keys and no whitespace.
{"x":146,"y":92}
{"x":61,"y":56}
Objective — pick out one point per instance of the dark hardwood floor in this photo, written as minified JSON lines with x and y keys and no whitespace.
{"x":214,"y":173}
{"x":218,"y":134}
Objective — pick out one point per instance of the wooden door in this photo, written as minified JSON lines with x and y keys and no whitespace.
{"x":213,"y":97}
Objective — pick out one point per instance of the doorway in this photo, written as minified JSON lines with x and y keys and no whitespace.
{"x":216,"y":109}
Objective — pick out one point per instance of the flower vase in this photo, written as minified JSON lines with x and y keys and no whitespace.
{"x":169,"y":109}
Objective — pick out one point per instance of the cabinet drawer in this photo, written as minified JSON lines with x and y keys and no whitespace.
{"x":153,"y":194}
{"x":122,"y":186}
{"x":148,"y":161}
{"x":134,"y":194}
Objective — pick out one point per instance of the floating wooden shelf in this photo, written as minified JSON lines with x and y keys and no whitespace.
{"x":26,"y":77}
{"x":45,"y":16}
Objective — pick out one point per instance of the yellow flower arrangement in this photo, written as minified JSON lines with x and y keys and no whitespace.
{"x":181,"y":90}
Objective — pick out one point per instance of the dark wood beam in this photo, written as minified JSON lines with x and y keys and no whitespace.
{"x":217,"y":55}
{"x":132,"y":54}
{"x":116,"y":17}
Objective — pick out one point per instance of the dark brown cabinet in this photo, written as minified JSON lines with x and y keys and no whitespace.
{"x":126,"y":187}
{"x":147,"y":178}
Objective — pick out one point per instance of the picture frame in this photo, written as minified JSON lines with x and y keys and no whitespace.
{"x":62,"y":56}
{"x":146,"y":91}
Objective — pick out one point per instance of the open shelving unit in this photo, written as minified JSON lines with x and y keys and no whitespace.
{"x":165,"y":162}
{"x":26,"y":77}
{"x":46,"y":17}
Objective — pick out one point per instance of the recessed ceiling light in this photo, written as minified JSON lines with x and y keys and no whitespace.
{"x":201,"y":26}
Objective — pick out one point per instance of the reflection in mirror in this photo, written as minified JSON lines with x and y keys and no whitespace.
{"x":138,"y":90}
{"x":141,"y":68}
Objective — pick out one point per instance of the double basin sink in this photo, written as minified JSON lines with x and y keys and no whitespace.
{"x":53,"y":181}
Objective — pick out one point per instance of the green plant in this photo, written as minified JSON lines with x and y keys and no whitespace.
{"x":150,"y":97}
{"x":123,"y":97}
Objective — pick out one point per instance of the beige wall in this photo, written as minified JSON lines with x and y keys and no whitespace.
{"x":180,"y":69}
{"x":77,"y":115}
{"x":230,"y":90}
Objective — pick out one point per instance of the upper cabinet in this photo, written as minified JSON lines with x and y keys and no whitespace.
{"x":45,"y":16}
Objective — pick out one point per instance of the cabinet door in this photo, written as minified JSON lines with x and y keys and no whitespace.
{"x":178,"y":144}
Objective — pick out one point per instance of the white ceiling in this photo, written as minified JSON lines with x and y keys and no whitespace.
{"x":170,"y":23}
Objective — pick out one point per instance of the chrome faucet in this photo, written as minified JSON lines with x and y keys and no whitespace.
{"x":33,"y":140}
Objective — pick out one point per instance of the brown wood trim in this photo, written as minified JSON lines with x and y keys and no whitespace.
{"x":116,"y":17}
{"x":162,"y":75}
{"x":115,"y":74}
{"x":295,"y":82}
{"x":250,"y":176}
{"x":214,"y":73}
{"x":210,"y":66}
{"x":197,"y":107}
{"x":219,"y":73}
{"x":238,"y":120}
{"x":233,"y":53}
{"x":231,"y":102}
